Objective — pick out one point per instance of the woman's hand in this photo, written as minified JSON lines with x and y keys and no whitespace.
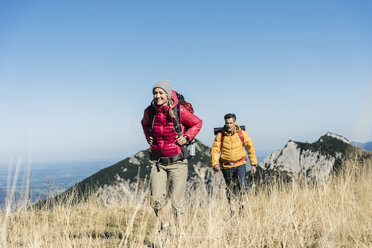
{"x":150,"y":140}
{"x":181,"y":140}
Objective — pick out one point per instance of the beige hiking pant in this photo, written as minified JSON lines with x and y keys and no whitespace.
{"x":169,"y":181}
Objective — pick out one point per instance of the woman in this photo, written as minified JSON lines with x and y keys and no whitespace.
{"x":168,"y":166}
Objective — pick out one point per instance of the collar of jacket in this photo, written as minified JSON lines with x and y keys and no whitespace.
{"x":236,"y":130}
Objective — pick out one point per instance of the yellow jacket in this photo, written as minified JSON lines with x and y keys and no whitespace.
{"x":232,"y":149}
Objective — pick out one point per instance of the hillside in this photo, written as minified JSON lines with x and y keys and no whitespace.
{"x":135,"y":167}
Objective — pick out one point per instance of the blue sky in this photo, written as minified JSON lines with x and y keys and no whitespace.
{"x":75,"y":76}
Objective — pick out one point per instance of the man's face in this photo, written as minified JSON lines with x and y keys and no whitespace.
{"x":230,"y":124}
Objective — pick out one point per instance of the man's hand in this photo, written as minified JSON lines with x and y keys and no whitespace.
{"x":150,"y":140}
{"x":253,"y":169}
{"x":181,"y":140}
{"x":216,"y":167}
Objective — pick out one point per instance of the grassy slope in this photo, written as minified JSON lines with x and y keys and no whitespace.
{"x":336,"y":213}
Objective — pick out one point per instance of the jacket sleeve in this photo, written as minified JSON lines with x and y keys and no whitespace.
{"x":216,"y":150}
{"x":146,"y":124}
{"x":249,"y":147}
{"x":191,"y":120}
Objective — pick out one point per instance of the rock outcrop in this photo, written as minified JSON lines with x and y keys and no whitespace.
{"x":312,"y":160}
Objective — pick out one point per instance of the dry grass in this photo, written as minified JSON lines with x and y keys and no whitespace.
{"x":336,"y":213}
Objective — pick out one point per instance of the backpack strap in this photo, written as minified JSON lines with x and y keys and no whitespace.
{"x":240,"y":133}
{"x":176,"y":119}
{"x":178,"y":129}
{"x":151,"y":113}
{"x":222,"y":137}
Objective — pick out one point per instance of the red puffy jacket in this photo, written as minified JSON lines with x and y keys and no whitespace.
{"x":165,"y":144}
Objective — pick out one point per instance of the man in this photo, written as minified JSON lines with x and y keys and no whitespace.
{"x":228,"y":155}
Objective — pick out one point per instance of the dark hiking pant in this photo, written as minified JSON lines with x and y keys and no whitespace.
{"x":236,"y":182}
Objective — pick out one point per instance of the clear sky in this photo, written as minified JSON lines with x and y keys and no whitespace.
{"x":75,"y":76}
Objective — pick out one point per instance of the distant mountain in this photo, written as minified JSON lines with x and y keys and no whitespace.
{"x":312,"y":160}
{"x":365,"y":146}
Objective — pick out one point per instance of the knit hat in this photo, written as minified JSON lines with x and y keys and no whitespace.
{"x":166,"y":86}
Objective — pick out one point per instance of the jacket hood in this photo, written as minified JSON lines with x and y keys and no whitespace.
{"x":174,"y":99}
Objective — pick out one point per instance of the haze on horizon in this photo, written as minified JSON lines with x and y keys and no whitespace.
{"x":75,"y":77}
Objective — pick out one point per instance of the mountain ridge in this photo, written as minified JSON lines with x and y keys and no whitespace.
{"x":315,"y":160}
{"x":312,"y":160}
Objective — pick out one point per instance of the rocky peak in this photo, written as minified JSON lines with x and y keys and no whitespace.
{"x":336,"y":136}
{"x":312,"y":160}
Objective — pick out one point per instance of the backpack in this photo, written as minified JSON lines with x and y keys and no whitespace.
{"x":188,"y":150}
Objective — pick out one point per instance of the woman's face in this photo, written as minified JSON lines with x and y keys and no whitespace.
{"x":160,"y":97}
